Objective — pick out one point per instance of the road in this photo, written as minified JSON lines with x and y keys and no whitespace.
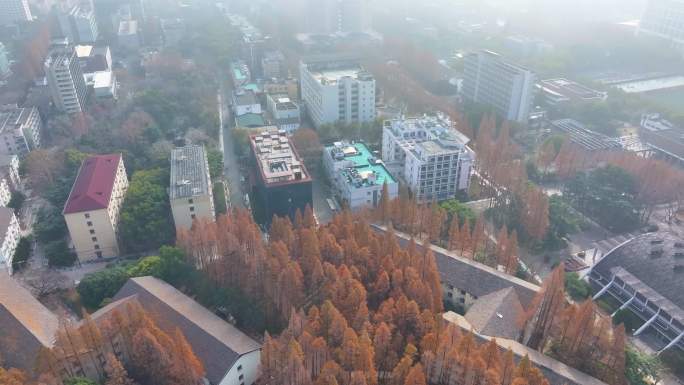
{"x":231,"y":167}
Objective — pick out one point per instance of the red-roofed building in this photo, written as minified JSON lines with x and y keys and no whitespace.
{"x":92,"y":210}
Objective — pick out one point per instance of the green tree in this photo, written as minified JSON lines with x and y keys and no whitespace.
{"x":145,"y":222}
{"x":642,"y":368}
{"x":577,"y":288}
{"x":453,"y":206}
{"x":97,"y":286}
{"x":50,"y":225}
{"x":16,"y":201}
{"x":22,"y":253}
{"x":59,"y":254}
{"x":80,"y":381}
{"x":215,"y":160}
{"x":146,"y":266}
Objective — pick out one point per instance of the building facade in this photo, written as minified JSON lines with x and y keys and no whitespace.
{"x":78,"y":25}
{"x":92,"y":209}
{"x":20,"y":130}
{"x":14,"y":11}
{"x":284,"y":112}
{"x":332,"y":16}
{"x":494,"y":82}
{"x":337,"y":91}
{"x":9,"y":166}
{"x":273,"y":65}
{"x":65,"y":80}
{"x":664,"y":19}
{"x":10,"y":233}
{"x":4,"y":62}
{"x":432,"y":156}
{"x":282,"y":184}
{"x":5,"y":190}
{"x":190,"y":192}
{"x":357,"y":176}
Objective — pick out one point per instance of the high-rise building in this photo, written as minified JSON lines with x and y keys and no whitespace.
{"x":79,"y":25}
{"x":282,"y":184}
{"x":333,"y":16}
{"x":14,"y":11}
{"x":190,"y":192}
{"x":92,"y":210}
{"x":664,"y":19}
{"x":494,"y":82}
{"x":19,"y":130}
{"x":337,"y":91}
{"x":4,"y":61}
{"x":65,"y":80}
{"x":432,"y":155}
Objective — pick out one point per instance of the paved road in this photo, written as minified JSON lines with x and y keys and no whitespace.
{"x":231,"y":169}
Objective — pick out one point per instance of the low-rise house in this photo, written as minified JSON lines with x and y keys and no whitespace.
{"x":26,"y":326}
{"x":230,"y":357}
{"x":20,"y":130}
{"x":190,"y":192}
{"x":284,"y":112}
{"x":92,"y":209}
{"x":10,"y":233}
{"x":357,"y":176}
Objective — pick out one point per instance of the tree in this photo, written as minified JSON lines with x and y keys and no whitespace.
{"x":215,"y":159}
{"x":145,"y":222}
{"x":79,"y":381}
{"x":12,"y":376}
{"x":577,"y":288}
{"x":16,"y":201}
{"x":545,"y":308}
{"x":116,"y":373}
{"x":59,"y":254}
{"x":97,"y":286}
{"x":22,"y":253}
{"x":642,"y":368}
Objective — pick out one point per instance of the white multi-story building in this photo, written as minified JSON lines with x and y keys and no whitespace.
{"x":332,"y":16}
{"x":19,"y":130}
{"x":357,"y":176}
{"x":78,"y":25}
{"x":65,"y":80}
{"x":501,"y":85}
{"x":10,"y":233}
{"x":4,"y":61}
{"x":337,"y":91}
{"x":664,"y":19}
{"x":9,"y":166}
{"x":5,"y":190}
{"x":92,"y":210}
{"x":190,"y":192}
{"x":245,"y":102}
{"x":284,"y":112}
{"x":13,"y":11}
{"x":432,"y":155}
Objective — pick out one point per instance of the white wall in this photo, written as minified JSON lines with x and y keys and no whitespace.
{"x":203,"y":208}
{"x":249,"y":364}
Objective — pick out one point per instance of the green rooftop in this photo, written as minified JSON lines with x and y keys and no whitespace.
{"x":362,"y":164}
{"x":250,"y":120}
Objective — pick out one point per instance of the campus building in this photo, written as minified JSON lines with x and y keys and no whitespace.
{"x":494,"y":82}
{"x":14,"y":11}
{"x":78,"y":25}
{"x":281,"y":182}
{"x":65,"y":80}
{"x":284,"y":112}
{"x":190,"y":191}
{"x":560,"y":91}
{"x":356,"y":175}
{"x":20,"y":130}
{"x":10,"y":233}
{"x":92,"y":210}
{"x":664,"y":19}
{"x":430,"y":154}
{"x":646,"y":276}
{"x":337,"y":91}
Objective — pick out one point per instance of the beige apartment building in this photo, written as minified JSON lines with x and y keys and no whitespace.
{"x":190,"y":191}
{"x":92,"y":210}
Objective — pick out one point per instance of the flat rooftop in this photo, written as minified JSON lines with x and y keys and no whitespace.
{"x":331,"y":72}
{"x":189,"y":173}
{"x":432,"y":134}
{"x":367,"y":170}
{"x":584,"y":137}
{"x":277,"y":160}
{"x":571,"y":89}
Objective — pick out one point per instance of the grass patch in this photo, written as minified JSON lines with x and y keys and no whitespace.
{"x":219,"y":192}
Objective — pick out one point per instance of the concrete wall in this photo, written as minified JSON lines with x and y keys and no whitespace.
{"x":202,"y":206}
{"x":246,"y":366}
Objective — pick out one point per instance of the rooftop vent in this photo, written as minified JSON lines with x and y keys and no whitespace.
{"x":656,"y":253}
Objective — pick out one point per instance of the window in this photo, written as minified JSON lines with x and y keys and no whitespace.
{"x":192,"y":216}
{"x":89,"y":223}
{"x":94,"y":239}
{"x":92,"y":231}
{"x":192,"y":208}
{"x":86,"y":215}
{"x":97,"y":247}
{"x":99,"y":254}
{"x":190,"y":201}
{"x":242,"y":376}
{"x":450,"y":294}
{"x":239,"y":367}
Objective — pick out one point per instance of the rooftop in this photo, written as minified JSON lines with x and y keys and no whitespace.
{"x":245,"y":97}
{"x":250,"y":120}
{"x":277,"y":159}
{"x":497,"y":314}
{"x":93,"y":186}
{"x":652,"y":264}
{"x":427,"y":134}
{"x":570,"y":89}
{"x":362,"y":169}
{"x":216,"y":343}
{"x":26,"y":325}
{"x":103,"y":79}
{"x":584,"y":137}
{"x":13,"y":118}
{"x":329,"y":72}
{"x":189,"y":172}
{"x":128,"y":27}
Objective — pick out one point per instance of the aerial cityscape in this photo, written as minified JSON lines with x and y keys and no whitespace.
{"x":341,"y":192}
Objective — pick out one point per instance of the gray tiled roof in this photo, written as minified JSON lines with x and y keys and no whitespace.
{"x":26,"y":325}
{"x":656,"y":273}
{"x":475,"y":278}
{"x":497,"y":314}
{"x":189,"y":172}
{"x":216,"y":343}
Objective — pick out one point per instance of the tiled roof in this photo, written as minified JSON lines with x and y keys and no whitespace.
{"x":25,"y":325}
{"x":475,"y":278}
{"x":216,"y":343}
{"x":496,"y":314}
{"x":93,"y":186}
